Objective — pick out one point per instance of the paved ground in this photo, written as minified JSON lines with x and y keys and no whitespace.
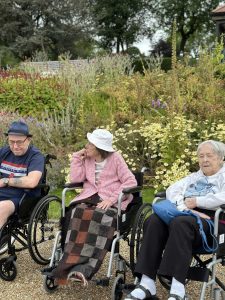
{"x":29,"y":285}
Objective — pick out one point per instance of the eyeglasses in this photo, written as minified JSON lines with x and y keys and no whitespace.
{"x":210,"y":155}
{"x":18,"y":143}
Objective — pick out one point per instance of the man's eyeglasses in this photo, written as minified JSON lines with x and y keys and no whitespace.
{"x":18,"y":143}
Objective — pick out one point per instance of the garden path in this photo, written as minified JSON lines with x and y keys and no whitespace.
{"x":29,"y":284}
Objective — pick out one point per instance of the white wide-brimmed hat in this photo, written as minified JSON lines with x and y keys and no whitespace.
{"x":102,"y":139}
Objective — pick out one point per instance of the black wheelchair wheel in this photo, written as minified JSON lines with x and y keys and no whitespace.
{"x":117,"y":288}
{"x":8,"y":271}
{"x":49,"y":284}
{"x":43,"y":225}
{"x":137,"y":233}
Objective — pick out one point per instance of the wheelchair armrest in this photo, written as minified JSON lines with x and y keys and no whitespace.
{"x":39,"y":186}
{"x":73,"y":185}
{"x":131,"y":190}
{"x":161,"y":194}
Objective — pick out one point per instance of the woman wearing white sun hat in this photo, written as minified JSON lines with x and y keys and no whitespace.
{"x":91,"y":219}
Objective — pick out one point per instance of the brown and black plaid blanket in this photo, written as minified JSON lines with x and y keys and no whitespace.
{"x":88,"y":239}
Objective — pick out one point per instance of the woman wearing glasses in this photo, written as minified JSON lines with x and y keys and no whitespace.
{"x":166,"y":250}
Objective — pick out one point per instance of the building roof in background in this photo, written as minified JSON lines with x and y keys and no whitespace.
{"x":53,"y":66}
{"x":219,"y":10}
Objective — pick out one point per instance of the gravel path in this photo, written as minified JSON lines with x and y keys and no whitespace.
{"x":29,"y":285}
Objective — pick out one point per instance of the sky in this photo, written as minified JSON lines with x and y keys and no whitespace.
{"x":145,"y":45}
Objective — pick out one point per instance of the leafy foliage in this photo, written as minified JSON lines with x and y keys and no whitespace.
{"x":168,"y":149}
{"x":30,"y":95}
{"x":119,"y":23}
{"x":157,"y":117}
{"x":36,"y":25}
{"x":192,"y":17}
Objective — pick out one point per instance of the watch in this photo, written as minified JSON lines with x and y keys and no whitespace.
{"x":5,"y":181}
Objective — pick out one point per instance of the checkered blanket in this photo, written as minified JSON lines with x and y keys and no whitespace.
{"x":88,"y":239}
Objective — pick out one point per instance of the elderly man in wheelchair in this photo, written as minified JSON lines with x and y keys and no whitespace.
{"x":167,"y":250}
{"x":91,"y":218}
{"x":21,"y":167}
{"x":26,"y":220}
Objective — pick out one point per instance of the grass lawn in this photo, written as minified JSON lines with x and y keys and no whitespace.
{"x":148,"y":195}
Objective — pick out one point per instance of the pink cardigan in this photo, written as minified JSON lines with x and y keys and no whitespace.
{"x":113,"y":179}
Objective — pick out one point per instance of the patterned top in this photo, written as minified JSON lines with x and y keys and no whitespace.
{"x":19,"y":166}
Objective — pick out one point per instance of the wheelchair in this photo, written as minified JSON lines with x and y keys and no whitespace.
{"x":134,"y":238}
{"x":203,"y":265}
{"x":124,"y":231}
{"x":32,"y":227}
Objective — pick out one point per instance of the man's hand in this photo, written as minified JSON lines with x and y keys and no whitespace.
{"x":105,"y":204}
{"x":190,"y":202}
{"x":2,"y":183}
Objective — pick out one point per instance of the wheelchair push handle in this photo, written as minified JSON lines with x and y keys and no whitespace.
{"x":222,"y":206}
{"x":161,"y":194}
{"x":131,"y":190}
{"x":48,"y":159}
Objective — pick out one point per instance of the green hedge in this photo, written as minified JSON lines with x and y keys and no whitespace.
{"x":31,"y":96}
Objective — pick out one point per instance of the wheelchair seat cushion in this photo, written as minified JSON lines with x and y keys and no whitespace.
{"x":26,"y":206}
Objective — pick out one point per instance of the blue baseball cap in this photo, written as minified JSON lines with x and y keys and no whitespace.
{"x":18,"y":128}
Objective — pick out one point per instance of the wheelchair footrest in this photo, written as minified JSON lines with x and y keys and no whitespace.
{"x":198,"y":274}
{"x":102,"y":282}
{"x":129,"y":286}
{"x":12,"y":258}
{"x":47,"y":271}
{"x":9,"y":259}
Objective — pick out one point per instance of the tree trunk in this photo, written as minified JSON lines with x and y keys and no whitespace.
{"x":118,"y":45}
{"x":122,"y":46}
{"x":183,"y":42}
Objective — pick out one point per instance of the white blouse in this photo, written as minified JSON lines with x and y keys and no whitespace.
{"x":98,"y":169}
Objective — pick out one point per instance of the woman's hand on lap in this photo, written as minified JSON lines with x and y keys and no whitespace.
{"x":104,"y":204}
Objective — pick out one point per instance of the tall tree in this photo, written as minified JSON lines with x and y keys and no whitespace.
{"x":51,"y":26}
{"x":192,"y":17}
{"x":118,"y":23}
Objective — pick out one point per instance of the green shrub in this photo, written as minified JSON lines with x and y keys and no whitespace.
{"x":157,"y":117}
{"x":7,"y":58}
{"x":166,"y":63}
{"x":167,"y":147}
{"x":31,"y":95}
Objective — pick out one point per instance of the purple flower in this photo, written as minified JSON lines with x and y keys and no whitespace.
{"x":158,"y":104}
{"x":153,"y":103}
